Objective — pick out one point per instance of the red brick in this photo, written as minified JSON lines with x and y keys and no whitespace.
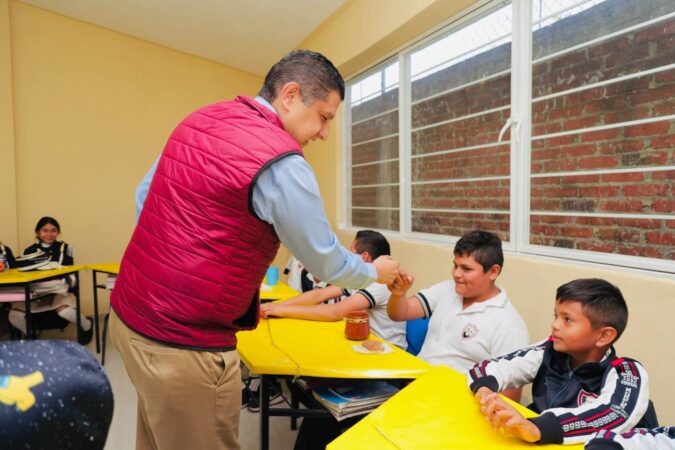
{"x":644,"y":190}
{"x":598,"y":191}
{"x":577,"y":232}
{"x":647,"y":129}
{"x":600,"y":135}
{"x":663,"y":206}
{"x":621,"y":206}
{"x":599,"y":162}
{"x":654,"y":237}
{"x":663,"y":142}
{"x":621,"y":177}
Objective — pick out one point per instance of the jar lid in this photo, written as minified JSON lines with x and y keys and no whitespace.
{"x":359,"y":320}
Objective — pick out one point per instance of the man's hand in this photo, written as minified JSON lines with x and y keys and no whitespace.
{"x":387,"y":269}
{"x":503,"y":416}
{"x":401,"y":284}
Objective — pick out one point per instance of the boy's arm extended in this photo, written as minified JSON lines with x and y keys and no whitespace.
{"x":623,"y":401}
{"x":315,"y":296}
{"x":324,"y":313}
{"x":400,"y":307}
{"x":507,"y":372}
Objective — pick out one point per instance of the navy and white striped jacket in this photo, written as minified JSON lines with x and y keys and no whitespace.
{"x":612,"y":394}
{"x":662,"y":438}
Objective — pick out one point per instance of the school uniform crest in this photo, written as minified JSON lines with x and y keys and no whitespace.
{"x":469,"y":331}
{"x":585,"y":397}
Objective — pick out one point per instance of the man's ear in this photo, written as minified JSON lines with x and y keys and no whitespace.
{"x":494,"y":271}
{"x":366,"y":257}
{"x":606,"y":336}
{"x":289,"y":94}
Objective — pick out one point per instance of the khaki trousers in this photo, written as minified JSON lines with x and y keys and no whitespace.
{"x":187,"y":399}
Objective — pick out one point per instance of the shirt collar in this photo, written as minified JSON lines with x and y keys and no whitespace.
{"x":498,"y":301}
{"x":266,"y":104}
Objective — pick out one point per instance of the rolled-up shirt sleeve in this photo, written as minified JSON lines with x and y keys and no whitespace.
{"x":287,"y":196}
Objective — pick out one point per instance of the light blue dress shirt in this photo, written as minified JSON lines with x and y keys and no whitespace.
{"x":286,"y":195}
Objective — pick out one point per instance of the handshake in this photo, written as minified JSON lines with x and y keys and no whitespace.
{"x":390,"y":273}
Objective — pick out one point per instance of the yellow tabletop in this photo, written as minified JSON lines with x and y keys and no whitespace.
{"x":14,"y":276}
{"x":280,"y":291}
{"x":112,"y":268}
{"x":435,"y":411}
{"x":319,"y":349}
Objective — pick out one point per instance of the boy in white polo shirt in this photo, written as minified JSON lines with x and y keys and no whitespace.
{"x":311,"y":305}
{"x":471,"y":318}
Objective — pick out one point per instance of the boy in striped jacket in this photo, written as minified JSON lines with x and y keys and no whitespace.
{"x":580,"y":386}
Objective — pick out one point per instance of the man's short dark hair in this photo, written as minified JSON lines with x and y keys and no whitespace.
{"x":315,"y":74}
{"x":600,"y":300}
{"x":485,"y":247}
{"x":372,"y":242}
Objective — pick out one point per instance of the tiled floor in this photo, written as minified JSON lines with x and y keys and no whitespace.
{"x":122,"y":435}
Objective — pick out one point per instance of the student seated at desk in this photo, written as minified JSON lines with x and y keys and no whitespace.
{"x":57,"y":309}
{"x":472,"y":318}
{"x":580,"y":386}
{"x":310,"y":305}
{"x":6,"y":257}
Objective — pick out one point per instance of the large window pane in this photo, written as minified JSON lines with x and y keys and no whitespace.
{"x":599,"y":151}
{"x":460,"y":101}
{"x":374,"y":155}
{"x":603,"y":131}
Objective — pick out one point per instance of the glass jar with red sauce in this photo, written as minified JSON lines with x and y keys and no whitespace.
{"x":357,"y":327}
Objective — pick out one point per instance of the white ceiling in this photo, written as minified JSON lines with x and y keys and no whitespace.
{"x":250,"y":35}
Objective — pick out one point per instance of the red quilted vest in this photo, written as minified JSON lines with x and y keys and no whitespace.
{"x":191,"y":272}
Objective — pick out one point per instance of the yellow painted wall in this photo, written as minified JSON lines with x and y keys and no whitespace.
{"x":8,"y":231}
{"x":92,"y":109}
{"x":353,"y":40}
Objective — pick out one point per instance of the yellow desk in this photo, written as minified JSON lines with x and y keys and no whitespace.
{"x":291,"y":347}
{"x":436,"y":411}
{"x":280,"y":291}
{"x":107,"y":268}
{"x":13,"y":277}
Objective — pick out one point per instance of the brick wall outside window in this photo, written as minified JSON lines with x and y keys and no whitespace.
{"x":583,"y":182}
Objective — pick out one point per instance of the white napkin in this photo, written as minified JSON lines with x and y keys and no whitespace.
{"x":358,"y":348}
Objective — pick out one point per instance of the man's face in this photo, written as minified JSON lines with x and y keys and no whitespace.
{"x":471,"y":281}
{"x":307,"y":123}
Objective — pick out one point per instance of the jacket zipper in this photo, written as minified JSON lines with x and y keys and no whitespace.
{"x":561,"y":389}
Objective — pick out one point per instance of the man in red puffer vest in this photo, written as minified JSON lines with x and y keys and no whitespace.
{"x":230,"y":184}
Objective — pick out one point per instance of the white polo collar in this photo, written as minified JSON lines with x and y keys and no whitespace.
{"x":498,"y":301}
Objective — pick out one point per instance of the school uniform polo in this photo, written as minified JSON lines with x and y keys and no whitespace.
{"x":459,"y":338}
{"x":378,"y":296}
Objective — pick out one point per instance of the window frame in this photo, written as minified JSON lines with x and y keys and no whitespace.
{"x":520,"y":143}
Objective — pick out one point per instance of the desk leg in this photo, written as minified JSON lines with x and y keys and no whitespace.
{"x":30,"y":332}
{"x":98,"y":342}
{"x":77,"y":303}
{"x":295,"y":404}
{"x":264,"y":413}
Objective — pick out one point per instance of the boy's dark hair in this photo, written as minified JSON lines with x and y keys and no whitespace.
{"x":47,"y":221}
{"x":601,"y":301}
{"x":315,"y":74}
{"x":372,"y":242}
{"x":485,"y":247}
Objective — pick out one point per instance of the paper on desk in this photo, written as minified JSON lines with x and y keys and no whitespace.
{"x":358,"y":348}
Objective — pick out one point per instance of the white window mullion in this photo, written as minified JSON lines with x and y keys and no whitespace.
{"x":404,"y":144}
{"x":347,"y":161}
{"x":521,"y":110}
